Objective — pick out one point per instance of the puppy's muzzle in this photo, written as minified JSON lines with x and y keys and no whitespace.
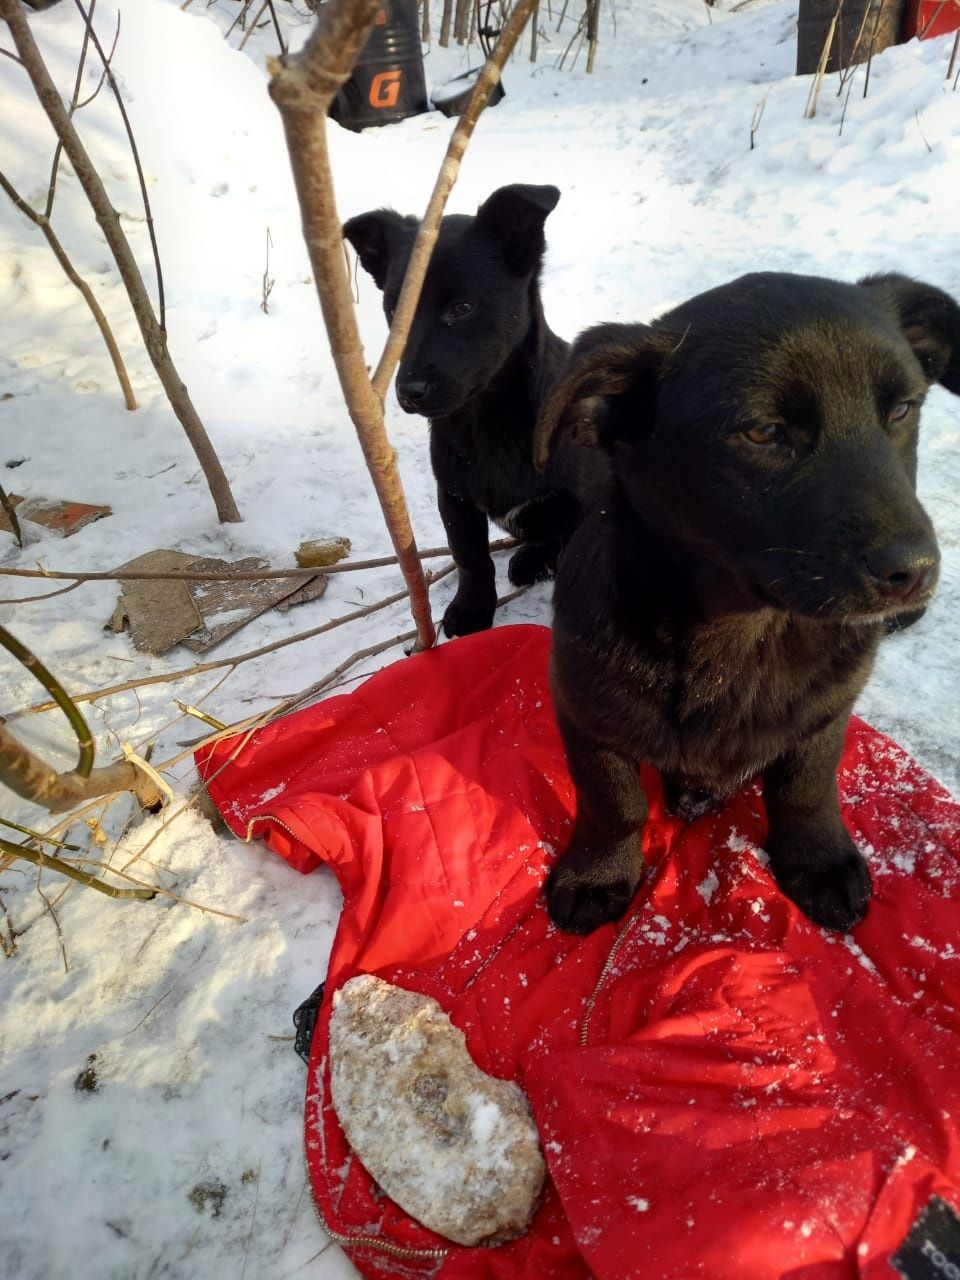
{"x":903,"y":573}
{"x":412,"y":394}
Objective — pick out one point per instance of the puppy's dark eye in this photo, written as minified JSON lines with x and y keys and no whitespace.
{"x":458,"y":310}
{"x":766,"y":434}
{"x":899,"y":411}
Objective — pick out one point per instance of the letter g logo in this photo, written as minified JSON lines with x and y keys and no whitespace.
{"x":385,"y":88}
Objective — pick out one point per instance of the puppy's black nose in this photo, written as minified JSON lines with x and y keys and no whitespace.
{"x":414,"y":391}
{"x":904,"y":569}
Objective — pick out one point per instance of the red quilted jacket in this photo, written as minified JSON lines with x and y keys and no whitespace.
{"x":722,"y":1089}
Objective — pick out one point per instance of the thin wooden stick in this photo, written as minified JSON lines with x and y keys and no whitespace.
{"x":252,"y":723}
{"x":239,"y":575}
{"x":429,"y":228}
{"x":276,"y":26}
{"x":953,"y":55}
{"x":5,"y":502}
{"x":873,"y":46}
{"x":30,"y":778}
{"x":370,"y":651}
{"x":921,"y":33}
{"x":252,"y":27}
{"x":74,"y":100}
{"x":185,"y":672}
{"x":302,"y":86}
{"x":850,"y":70}
{"x":60,"y":697}
{"x":239,"y":19}
{"x":138,"y":167}
{"x":811,"y":110}
{"x":593,"y":23}
{"x":36,"y":835}
{"x":461,"y":21}
{"x":101,"y":803}
{"x":42,"y":221}
{"x":73,"y":873}
{"x":153,"y":336}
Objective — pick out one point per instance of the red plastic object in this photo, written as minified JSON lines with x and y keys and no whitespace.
{"x":722,"y":1089}
{"x":928,"y":18}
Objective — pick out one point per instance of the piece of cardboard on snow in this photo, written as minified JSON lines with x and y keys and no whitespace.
{"x":163,"y":613}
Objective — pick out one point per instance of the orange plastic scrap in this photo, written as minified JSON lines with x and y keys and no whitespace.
{"x":62,"y":517}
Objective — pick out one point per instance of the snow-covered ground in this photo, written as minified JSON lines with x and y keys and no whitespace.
{"x":185,"y":1160}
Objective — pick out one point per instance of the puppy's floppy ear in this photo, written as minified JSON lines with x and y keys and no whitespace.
{"x":514,"y":217}
{"x":608,"y":391}
{"x":930,"y":321}
{"x":375,"y":236}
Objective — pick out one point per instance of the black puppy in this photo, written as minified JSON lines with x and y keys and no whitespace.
{"x":479,"y":363}
{"x":718,"y":610}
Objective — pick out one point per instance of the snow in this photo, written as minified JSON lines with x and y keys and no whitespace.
{"x":182,"y":1156}
{"x":708,"y":887}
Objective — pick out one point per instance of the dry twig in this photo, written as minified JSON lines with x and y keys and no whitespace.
{"x":215,"y":665}
{"x":430,"y":226}
{"x":29,"y":777}
{"x":953,"y":55}
{"x":71,"y":872}
{"x":153,"y":336}
{"x":821,"y":71}
{"x":303,"y":86}
{"x":240,"y":575}
{"x":5,"y":502}
{"x":42,"y":221}
{"x":131,"y":139}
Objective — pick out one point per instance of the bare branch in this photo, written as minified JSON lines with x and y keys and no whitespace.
{"x":239,"y":575}
{"x":42,"y":221}
{"x":593,"y":23}
{"x":302,"y":86}
{"x":28,"y":777}
{"x":60,"y":697}
{"x":148,"y":212}
{"x":73,"y":873}
{"x":252,"y":27}
{"x":276,"y":27}
{"x":5,"y":502}
{"x":153,"y":336}
{"x":215,"y":665}
{"x":103,"y":74}
{"x":953,"y":56}
{"x":58,"y":150}
{"x":430,"y":226}
{"x":37,"y":835}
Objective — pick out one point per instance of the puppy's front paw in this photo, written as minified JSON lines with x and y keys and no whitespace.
{"x":831,"y":886}
{"x":588,"y":889}
{"x":465,"y":615}
{"x":533,"y":562}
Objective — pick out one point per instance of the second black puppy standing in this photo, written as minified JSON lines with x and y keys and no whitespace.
{"x":479,"y":364}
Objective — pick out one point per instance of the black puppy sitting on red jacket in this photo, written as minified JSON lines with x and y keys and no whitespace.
{"x":718,"y":610}
{"x":479,"y":363}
